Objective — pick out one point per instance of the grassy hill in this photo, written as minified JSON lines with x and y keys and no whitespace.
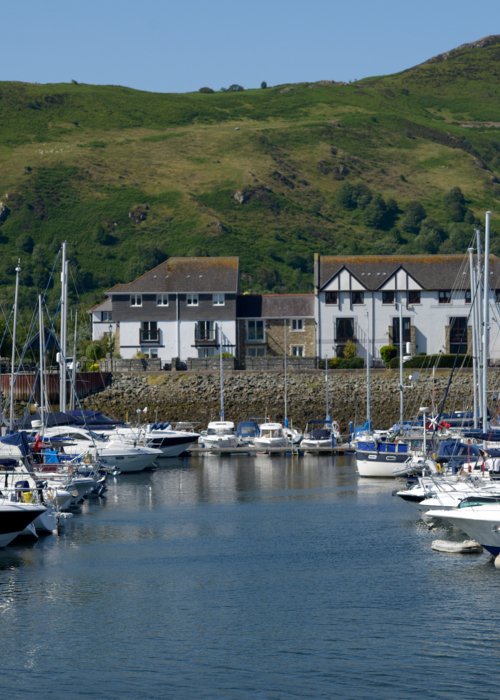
{"x":400,"y":163}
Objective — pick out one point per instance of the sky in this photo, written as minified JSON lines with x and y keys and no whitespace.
{"x":182,"y":45}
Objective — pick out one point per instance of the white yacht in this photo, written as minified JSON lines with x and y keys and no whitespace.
{"x":111,"y":453}
{"x":272,"y":436}
{"x":220,"y":434}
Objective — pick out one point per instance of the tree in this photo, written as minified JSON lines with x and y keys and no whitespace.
{"x":263,"y":85}
{"x":413,"y":216}
{"x":206,"y":90}
{"x":454,"y":205}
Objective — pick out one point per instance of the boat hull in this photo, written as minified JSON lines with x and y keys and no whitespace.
{"x":481,"y":523}
{"x":15,"y":518}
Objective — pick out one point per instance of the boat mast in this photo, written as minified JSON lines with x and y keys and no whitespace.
{"x":285,"y":422}
{"x":486,"y":289}
{"x":327,"y":396}
{"x":41,"y":335}
{"x":73,"y":371}
{"x":63,"y":342}
{"x":401,"y":400}
{"x":13,"y":356}
{"x":221,"y":376}
{"x":368,"y":380}
{"x":474,"y":336}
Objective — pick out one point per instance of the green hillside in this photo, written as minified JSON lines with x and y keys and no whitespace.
{"x":401,"y":163}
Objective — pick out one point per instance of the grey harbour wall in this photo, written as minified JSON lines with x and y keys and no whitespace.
{"x":195,"y":396}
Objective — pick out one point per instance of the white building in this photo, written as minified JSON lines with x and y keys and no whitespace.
{"x":361,"y":298}
{"x":183,"y":308}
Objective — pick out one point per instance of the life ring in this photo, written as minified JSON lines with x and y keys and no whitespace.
{"x":336,"y":426}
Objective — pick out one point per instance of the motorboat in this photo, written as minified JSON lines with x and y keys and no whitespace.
{"x":220,"y":434}
{"x":247,"y":431}
{"x":111,"y":453}
{"x":272,"y":436}
{"x":168,"y":441}
{"x":15,"y":517}
{"x":479,"y":518}
{"x":320,"y":435}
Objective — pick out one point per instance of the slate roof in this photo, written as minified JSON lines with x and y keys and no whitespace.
{"x":275,"y":306}
{"x":432,"y":272}
{"x":105,"y":305}
{"x":205,"y":274}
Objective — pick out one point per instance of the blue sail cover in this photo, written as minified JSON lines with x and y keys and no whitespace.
{"x":20,"y":440}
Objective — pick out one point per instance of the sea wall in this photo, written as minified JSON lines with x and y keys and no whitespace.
{"x":174,"y":396}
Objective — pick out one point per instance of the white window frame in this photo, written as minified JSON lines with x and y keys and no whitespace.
{"x":297,"y":325}
{"x":218,"y":299}
{"x":297,"y":351}
{"x":106,"y":316}
{"x":136,"y":300}
{"x":192,"y":299}
{"x":162,"y":300}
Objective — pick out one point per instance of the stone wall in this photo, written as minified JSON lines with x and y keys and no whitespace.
{"x":196,"y":396}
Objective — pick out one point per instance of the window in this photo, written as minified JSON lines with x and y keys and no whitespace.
{"x":218,"y":299}
{"x":414,"y":296}
{"x":255,"y":331}
{"x":256,"y":351}
{"x":106,"y":316}
{"x":406,"y":331}
{"x":444,"y":296}
{"x":162,"y":300}
{"x":388,"y":297}
{"x":152,"y":353}
{"x":458,"y":335}
{"x":136,"y":300}
{"x":149,"y":332}
{"x":357,"y":297}
{"x":331,"y":298}
{"x":297,"y":324}
{"x":468,"y":296}
{"x":344,"y":330}
{"x":205,"y":331}
{"x":297,"y":350}
{"x":497,"y":296}
{"x":192,"y":299}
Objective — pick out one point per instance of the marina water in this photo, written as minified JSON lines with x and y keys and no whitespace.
{"x":247,"y":577}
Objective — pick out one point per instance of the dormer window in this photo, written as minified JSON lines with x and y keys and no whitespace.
{"x":218,"y":299}
{"x":136,"y":300}
{"x":162,"y":300}
{"x":192,"y":300}
{"x":444,"y":296}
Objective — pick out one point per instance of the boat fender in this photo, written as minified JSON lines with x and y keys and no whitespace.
{"x":496,"y":561}
{"x":335,"y":426}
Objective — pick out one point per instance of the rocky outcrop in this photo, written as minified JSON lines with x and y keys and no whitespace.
{"x":194,"y":396}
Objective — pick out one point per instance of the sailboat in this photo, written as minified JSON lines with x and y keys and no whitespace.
{"x":220,"y":434}
{"x":380,"y":453}
{"x":322,"y":434}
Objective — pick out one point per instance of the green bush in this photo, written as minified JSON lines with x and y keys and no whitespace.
{"x":388,"y":353}
{"x":346,"y":363}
